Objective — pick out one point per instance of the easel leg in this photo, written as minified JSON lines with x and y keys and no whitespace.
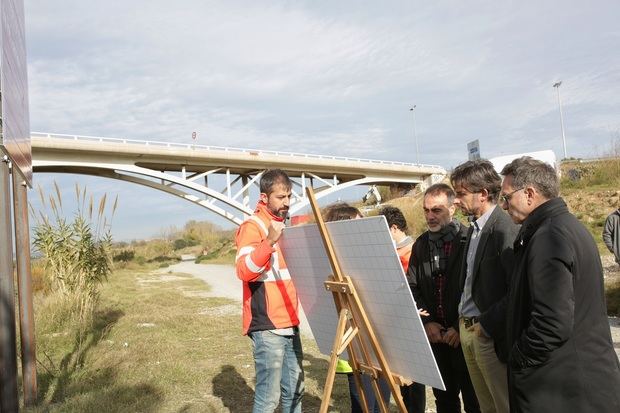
{"x":331,"y":371}
{"x":357,"y":376}
{"x":383,"y":404}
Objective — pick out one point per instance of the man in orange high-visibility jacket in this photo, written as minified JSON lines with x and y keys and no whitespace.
{"x":269,"y":299}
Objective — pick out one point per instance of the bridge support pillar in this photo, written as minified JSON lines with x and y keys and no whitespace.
{"x":246,"y":193}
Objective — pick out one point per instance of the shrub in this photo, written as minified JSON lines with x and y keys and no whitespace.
{"x":179,"y":244}
{"x":124,"y":256}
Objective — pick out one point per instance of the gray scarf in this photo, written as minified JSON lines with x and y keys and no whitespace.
{"x":437,"y":240}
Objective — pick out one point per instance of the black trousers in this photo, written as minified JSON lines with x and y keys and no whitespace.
{"x":414,"y":397}
{"x":453,"y":370}
{"x":371,"y":400}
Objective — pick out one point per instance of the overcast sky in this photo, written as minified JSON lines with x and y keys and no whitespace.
{"x":329,"y":77}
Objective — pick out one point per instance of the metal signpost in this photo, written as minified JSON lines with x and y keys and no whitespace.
{"x":16,"y":159}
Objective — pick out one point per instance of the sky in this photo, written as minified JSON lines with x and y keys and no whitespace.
{"x":326,"y":77}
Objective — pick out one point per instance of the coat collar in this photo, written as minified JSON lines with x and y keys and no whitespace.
{"x":264,"y":212}
{"x":551,"y":208}
{"x":487,"y":229}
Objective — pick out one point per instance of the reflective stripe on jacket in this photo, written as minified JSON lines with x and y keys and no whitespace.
{"x":269,"y":296}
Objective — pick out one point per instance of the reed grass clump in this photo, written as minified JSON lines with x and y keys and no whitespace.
{"x":75,"y":252}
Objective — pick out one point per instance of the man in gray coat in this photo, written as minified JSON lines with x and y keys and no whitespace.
{"x":484,"y":281}
{"x":611,"y":234}
{"x":561,"y":355}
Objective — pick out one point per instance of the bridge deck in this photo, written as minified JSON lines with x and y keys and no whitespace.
{"x":170,"y":156}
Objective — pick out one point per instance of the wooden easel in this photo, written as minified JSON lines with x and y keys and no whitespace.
{"x":354,"y":332}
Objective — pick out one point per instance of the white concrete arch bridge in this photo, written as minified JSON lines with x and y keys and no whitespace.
{"x":184,"y":170}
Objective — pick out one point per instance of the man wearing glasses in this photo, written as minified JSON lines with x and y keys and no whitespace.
{"x":561,"y":355}
{"x":485,"y":279}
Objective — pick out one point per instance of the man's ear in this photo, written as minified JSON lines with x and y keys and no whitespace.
{"x":263,"y":197}
{"x":483,"y":194}
{"x":530,"y":192}
{"x":452,"y":210}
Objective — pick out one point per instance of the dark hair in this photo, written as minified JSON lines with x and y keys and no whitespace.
{"x":476,"y":176}
{"x":394,"y":216}
{"x":273,"y":177}
{"x":440,"y":188}
{"x":340,"y":211}
{"x":529,"y":171}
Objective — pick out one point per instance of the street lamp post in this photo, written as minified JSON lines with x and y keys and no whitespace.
{"x":557,"y":86}
{"x":415,"y":136}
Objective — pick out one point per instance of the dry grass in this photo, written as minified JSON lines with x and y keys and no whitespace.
{"x":157,"y":345}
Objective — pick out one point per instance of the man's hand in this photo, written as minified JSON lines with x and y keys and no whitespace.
{"x":451,"y":337}
{"x":275,"y":231}
{"x":433,"y":332}
{"x":478,"y":330}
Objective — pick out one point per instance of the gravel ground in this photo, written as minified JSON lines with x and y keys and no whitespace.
{"x":611,"y":271}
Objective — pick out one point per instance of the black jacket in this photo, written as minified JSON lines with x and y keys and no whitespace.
{"x":422,"y":283}
{"x":493,"y":267}
{"x":561,"y":357}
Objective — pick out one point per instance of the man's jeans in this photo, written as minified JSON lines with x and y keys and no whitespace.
{"x":277,"y":361}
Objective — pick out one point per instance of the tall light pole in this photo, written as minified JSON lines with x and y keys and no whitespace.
{"x":415,"y":136}
{"x":557,"y":86}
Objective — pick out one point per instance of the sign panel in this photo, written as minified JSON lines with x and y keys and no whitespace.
{"x":367,"y":254}
{"x":473,"y":150}
{"x":15,"y":131}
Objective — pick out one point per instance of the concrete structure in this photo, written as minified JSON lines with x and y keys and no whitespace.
{"x":547,"y":156}
{"x":191,"y":171}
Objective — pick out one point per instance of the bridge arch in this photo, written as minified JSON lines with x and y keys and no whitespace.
{"x":185,"y":170}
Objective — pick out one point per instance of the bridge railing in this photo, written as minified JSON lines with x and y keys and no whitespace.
{"x":255,"y":152}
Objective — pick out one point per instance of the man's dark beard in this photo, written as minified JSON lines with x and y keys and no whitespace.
{"x":281,"y":213}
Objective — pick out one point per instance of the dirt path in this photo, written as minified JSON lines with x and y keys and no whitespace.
{"x":223,"y":282}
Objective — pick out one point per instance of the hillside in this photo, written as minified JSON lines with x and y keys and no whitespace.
{"x":591,"y":191}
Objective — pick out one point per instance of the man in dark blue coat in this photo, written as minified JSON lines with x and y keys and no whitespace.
{"x":561,"y":356}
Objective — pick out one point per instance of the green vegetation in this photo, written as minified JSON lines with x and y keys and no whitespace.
{"x":204,"y":240}
{"x":76,"y":257}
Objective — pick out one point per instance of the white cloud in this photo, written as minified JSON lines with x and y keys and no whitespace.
{"x":328,"y":77}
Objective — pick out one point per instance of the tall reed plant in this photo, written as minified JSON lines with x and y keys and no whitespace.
{"x":76,"y":252}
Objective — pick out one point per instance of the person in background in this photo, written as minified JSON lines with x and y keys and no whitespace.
{"x":398,"y":230}
{"x":611,"y":234}
{"x":434,"y":274}
{"x":270,"y":304}
{"x":561,"y":355}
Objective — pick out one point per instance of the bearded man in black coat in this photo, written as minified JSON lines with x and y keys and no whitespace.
{"x":561,"y":356}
